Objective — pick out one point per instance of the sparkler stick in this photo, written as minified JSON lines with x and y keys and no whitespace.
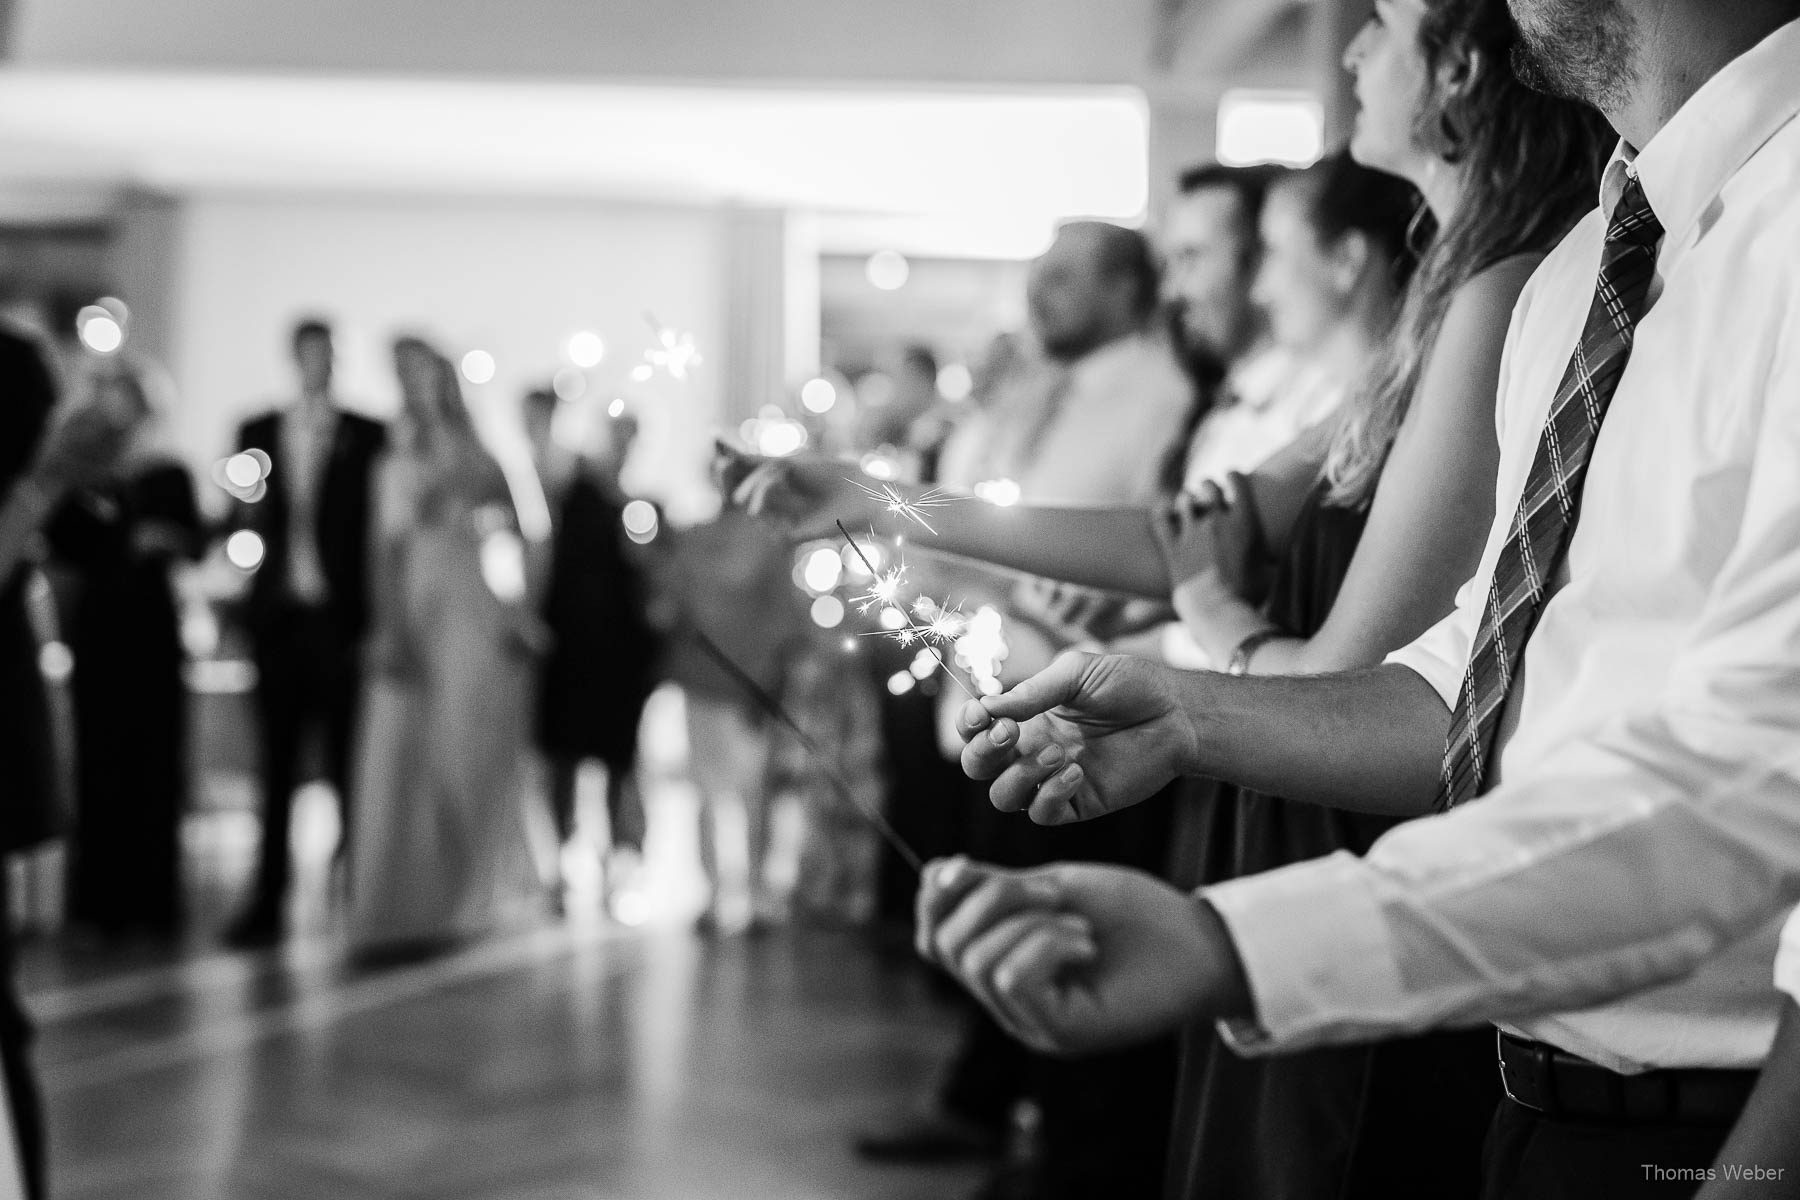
{"x":921,"y":632}
{"x":776,"y":709}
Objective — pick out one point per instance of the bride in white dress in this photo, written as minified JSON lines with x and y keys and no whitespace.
{"x":438,"y":851}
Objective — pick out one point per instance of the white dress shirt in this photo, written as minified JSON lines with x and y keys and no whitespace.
{"x":1120,"y":409}
{"x":1275,"y":396}
{"x":1619,"y":892}
{"x":1787,"y":960}
{"x":307,"y":430}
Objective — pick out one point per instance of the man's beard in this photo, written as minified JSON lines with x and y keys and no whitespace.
{"x":1575,"y":49}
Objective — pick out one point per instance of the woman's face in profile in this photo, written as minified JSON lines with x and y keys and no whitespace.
{"x":1296,"y":285}
{"x":1393,"y":89}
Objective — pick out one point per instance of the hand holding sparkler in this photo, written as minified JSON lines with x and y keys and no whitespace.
{"x":1088,"y":735}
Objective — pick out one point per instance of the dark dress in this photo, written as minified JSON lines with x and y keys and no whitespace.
{"x":1397,"y":1118}
{"x":601,"y":665}
{"x":130,"y":699}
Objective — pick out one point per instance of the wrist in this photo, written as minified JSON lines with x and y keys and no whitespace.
{"x":1225,"y":987}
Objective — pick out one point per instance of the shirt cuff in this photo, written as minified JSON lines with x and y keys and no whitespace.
{"x":1439,"y":656}
{"x":1315,"y":952}
{"x":1787,"y":959}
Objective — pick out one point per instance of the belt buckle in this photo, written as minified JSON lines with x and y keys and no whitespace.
{"x":1539,"y":1101}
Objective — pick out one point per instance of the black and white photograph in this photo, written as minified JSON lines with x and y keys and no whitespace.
{"x":908,"y":600}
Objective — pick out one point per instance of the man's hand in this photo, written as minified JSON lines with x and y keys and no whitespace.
{"x":1085,"y":736}
{"x":1076,"y":958}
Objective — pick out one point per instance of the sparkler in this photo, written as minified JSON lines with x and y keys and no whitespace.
{"x":912,"y":510}
{"x":911,"y":631}
{"x":777,"y":710}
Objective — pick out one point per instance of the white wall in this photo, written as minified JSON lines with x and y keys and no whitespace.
{"x":513,"y":277}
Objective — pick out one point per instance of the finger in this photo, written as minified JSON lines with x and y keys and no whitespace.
{"x":1056,"y":801}
{"x":994,"y":898}
{"x":1018,"y":787}
{"x":1058,"y":683}
{"x":943,"y":885}
{"x":1209,"y":495}
{"x":1028,"y":981}
{"x":990,"y":752}
{"x":980,"y":968}
{"x":972,"y":719}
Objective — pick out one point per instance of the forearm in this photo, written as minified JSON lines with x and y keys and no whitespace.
{"x":1762,"y":1158}
{"x":1369,"y":741}
{"x":1110,"y":548}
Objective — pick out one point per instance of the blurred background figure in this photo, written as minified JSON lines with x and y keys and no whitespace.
{"x":308,"y":606}
{"x":730,"y":617}
{"x":599,"y":668}
{"x":440,"y":851}
{"x":118,"y":542}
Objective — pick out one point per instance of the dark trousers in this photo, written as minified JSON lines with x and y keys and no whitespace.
{"x":15,"y":1058}
{"x":308,"y":680}
{"x":1533,"y":1157}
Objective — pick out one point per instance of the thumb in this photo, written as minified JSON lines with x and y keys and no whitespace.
{"x":1058,"y":683}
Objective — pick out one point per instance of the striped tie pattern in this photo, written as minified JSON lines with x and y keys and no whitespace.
{"x":1545,"y":522}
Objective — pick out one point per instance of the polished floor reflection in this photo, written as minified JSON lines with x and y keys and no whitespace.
{"x":557,"y":1063}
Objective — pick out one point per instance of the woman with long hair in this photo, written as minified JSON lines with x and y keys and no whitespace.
{"x":439,"y":850}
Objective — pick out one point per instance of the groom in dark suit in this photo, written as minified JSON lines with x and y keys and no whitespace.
{"x":309,"y":602}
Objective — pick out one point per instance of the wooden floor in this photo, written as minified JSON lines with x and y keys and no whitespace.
{"x":570,"y":1059}
{"x":557,"y":1063}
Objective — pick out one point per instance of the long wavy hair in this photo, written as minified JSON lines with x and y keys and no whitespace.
{"x":1531,"y":165}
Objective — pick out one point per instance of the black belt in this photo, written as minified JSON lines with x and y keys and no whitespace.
{"x":1559,"y":1084}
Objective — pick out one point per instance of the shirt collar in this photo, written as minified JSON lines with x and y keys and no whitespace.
{"x":1717,"y":131}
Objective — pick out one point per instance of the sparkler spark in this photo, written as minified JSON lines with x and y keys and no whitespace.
{"x":884,"y":592}
{"x":911,"y":631}
{"x":889,"y":497}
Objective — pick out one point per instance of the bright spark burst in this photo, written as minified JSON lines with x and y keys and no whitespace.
{"x":912,"y":510}
{"x":672,"y":352}
{"x":884,"y":592}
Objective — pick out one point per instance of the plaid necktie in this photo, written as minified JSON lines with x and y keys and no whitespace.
{"x":1545,"y":522}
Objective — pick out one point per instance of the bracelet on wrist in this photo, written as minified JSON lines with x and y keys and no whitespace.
{"x":1246,"y":650}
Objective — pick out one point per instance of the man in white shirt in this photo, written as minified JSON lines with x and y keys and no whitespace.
{"x":1613,"y":899}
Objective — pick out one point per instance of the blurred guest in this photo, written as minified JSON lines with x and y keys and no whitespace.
{"x":440,"y":775}
{"x":122,"y":538}
{"x":440,"y":769}
{"x":902,"y":397}
{"x":729,"y":613}
{"x":309,"y":603}
{"x":42,"y":457}
{"x":1092,"y":431}
{"x":838,"y":709}
{"x":600,"y":667}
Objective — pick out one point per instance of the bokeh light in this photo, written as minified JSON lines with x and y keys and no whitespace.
{"x":586,"y":349}
{"x":642,"y":372}
{"x":503,"y":565}
{"x":955,"y":382}
{"x":99,"y":330}
{"x":56,"y":662}
{"x":778,"y":439}
{"x":828,"y":612}
{"x":1001,"y":492}
{"x":616,"y":409}
{"x":568,"y":384}
{"x":243,"y":471}
{"x":818,"y":395}
{"x":888,"y":270}
{"x":900,"y":683}
{"x":640,"y":521}
{"x":478,"y":366}
{"x":244,"y":550}
{"x":823,"y":569}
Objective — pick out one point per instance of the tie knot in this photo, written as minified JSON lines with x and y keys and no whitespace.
{"x":1632,"y":217}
